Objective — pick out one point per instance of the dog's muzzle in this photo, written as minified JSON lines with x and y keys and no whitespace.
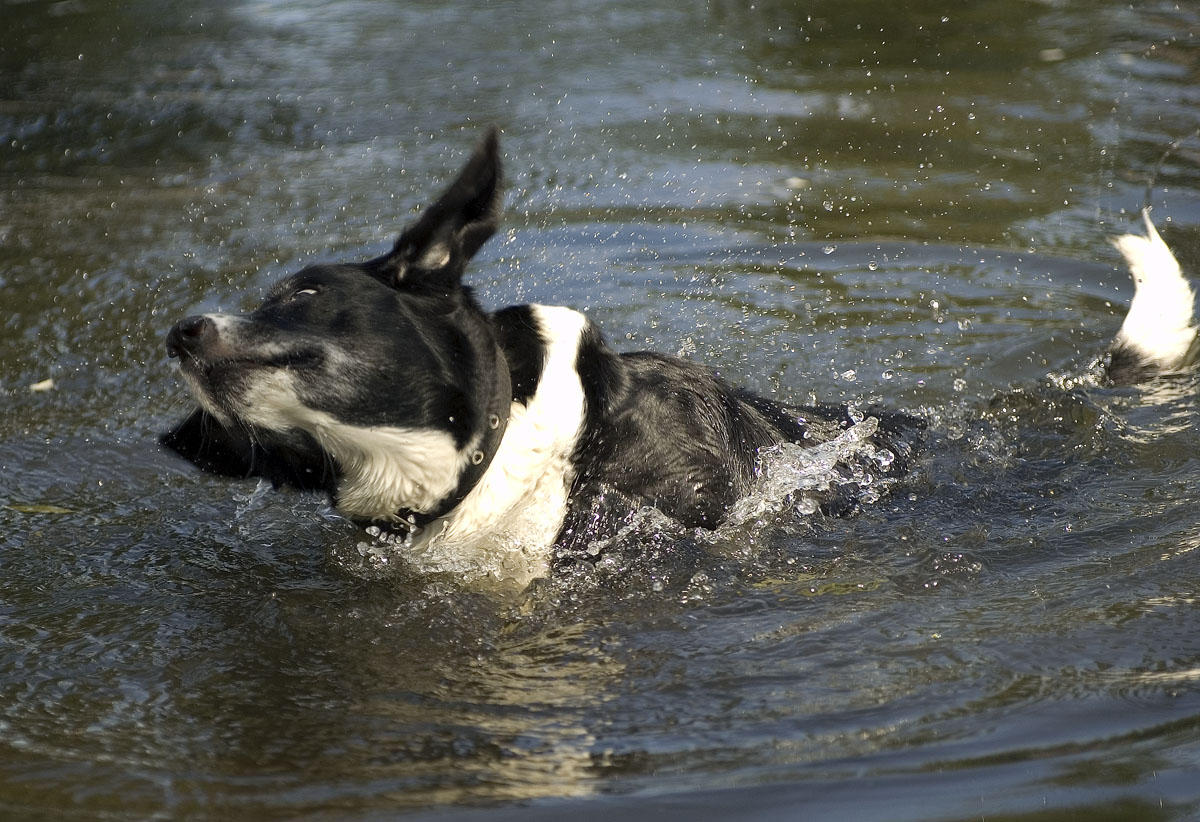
{"x":193,"y":336}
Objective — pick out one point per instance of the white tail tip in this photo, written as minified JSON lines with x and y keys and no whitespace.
{"x":1158,"y":332}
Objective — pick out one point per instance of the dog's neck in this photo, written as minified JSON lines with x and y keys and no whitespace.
{"x":479,"y":456}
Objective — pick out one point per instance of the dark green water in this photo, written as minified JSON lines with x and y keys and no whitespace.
{"x":904,"y":202}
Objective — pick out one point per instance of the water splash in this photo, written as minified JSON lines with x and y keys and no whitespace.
{"x":806,"y":477}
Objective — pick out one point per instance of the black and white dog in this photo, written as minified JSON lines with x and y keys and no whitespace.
{"x":384,"y":384}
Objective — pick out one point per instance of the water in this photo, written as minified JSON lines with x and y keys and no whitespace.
{"x":903,"y":203}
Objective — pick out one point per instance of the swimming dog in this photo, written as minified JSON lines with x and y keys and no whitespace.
{"x":385,"y":385}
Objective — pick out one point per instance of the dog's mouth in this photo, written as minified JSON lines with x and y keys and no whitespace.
{"x":208,"y":367}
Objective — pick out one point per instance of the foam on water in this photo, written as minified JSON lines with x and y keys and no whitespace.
{"x":512,"y":557}
{"x":805,"y":477}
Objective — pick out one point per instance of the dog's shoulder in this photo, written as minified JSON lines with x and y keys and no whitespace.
{"x":670,"y":433}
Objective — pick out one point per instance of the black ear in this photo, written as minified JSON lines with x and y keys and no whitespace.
{"x":435,"y":250}
{"x":296,"y":462}
{"x":210,"y":446}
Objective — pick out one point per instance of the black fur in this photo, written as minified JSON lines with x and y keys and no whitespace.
{"x":296,"y":462}
{"x":524,"y":348}
{"x":1124,"y":366}
{"x":397,"y":342}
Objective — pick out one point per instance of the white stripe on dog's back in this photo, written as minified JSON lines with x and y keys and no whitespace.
{"x":1159,"y":326}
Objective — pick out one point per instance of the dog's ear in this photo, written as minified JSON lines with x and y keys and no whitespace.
{"x":435,"y":250}
{"x":210,"y":446}
{"x":296,"y":462}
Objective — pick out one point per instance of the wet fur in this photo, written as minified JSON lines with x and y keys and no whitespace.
{"x":381,"y":383}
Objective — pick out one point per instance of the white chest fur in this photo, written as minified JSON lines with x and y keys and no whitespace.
{"x":505,"y":526}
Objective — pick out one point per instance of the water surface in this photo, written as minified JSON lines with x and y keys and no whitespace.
{"x":904,"y":203}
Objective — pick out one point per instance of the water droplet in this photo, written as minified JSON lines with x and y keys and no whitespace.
{"x":849,"y":375}
{"x":829,"y":249}
{"x":872,"y":266}
{"x":889,"y":374}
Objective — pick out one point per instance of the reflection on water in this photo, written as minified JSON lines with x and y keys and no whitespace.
{"x":905,"y":204}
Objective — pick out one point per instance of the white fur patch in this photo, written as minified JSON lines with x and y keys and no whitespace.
{"x":384,"y":468}
{"x":506,"y":525}
{"x":1159,"y":325}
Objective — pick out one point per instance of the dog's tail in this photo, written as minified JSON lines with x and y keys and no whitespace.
{"x":1159,"y":335}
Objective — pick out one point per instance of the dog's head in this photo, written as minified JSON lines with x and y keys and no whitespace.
{"x":379,"y":381}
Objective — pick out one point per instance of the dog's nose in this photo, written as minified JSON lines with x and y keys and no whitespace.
{"x":190,"y":335}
